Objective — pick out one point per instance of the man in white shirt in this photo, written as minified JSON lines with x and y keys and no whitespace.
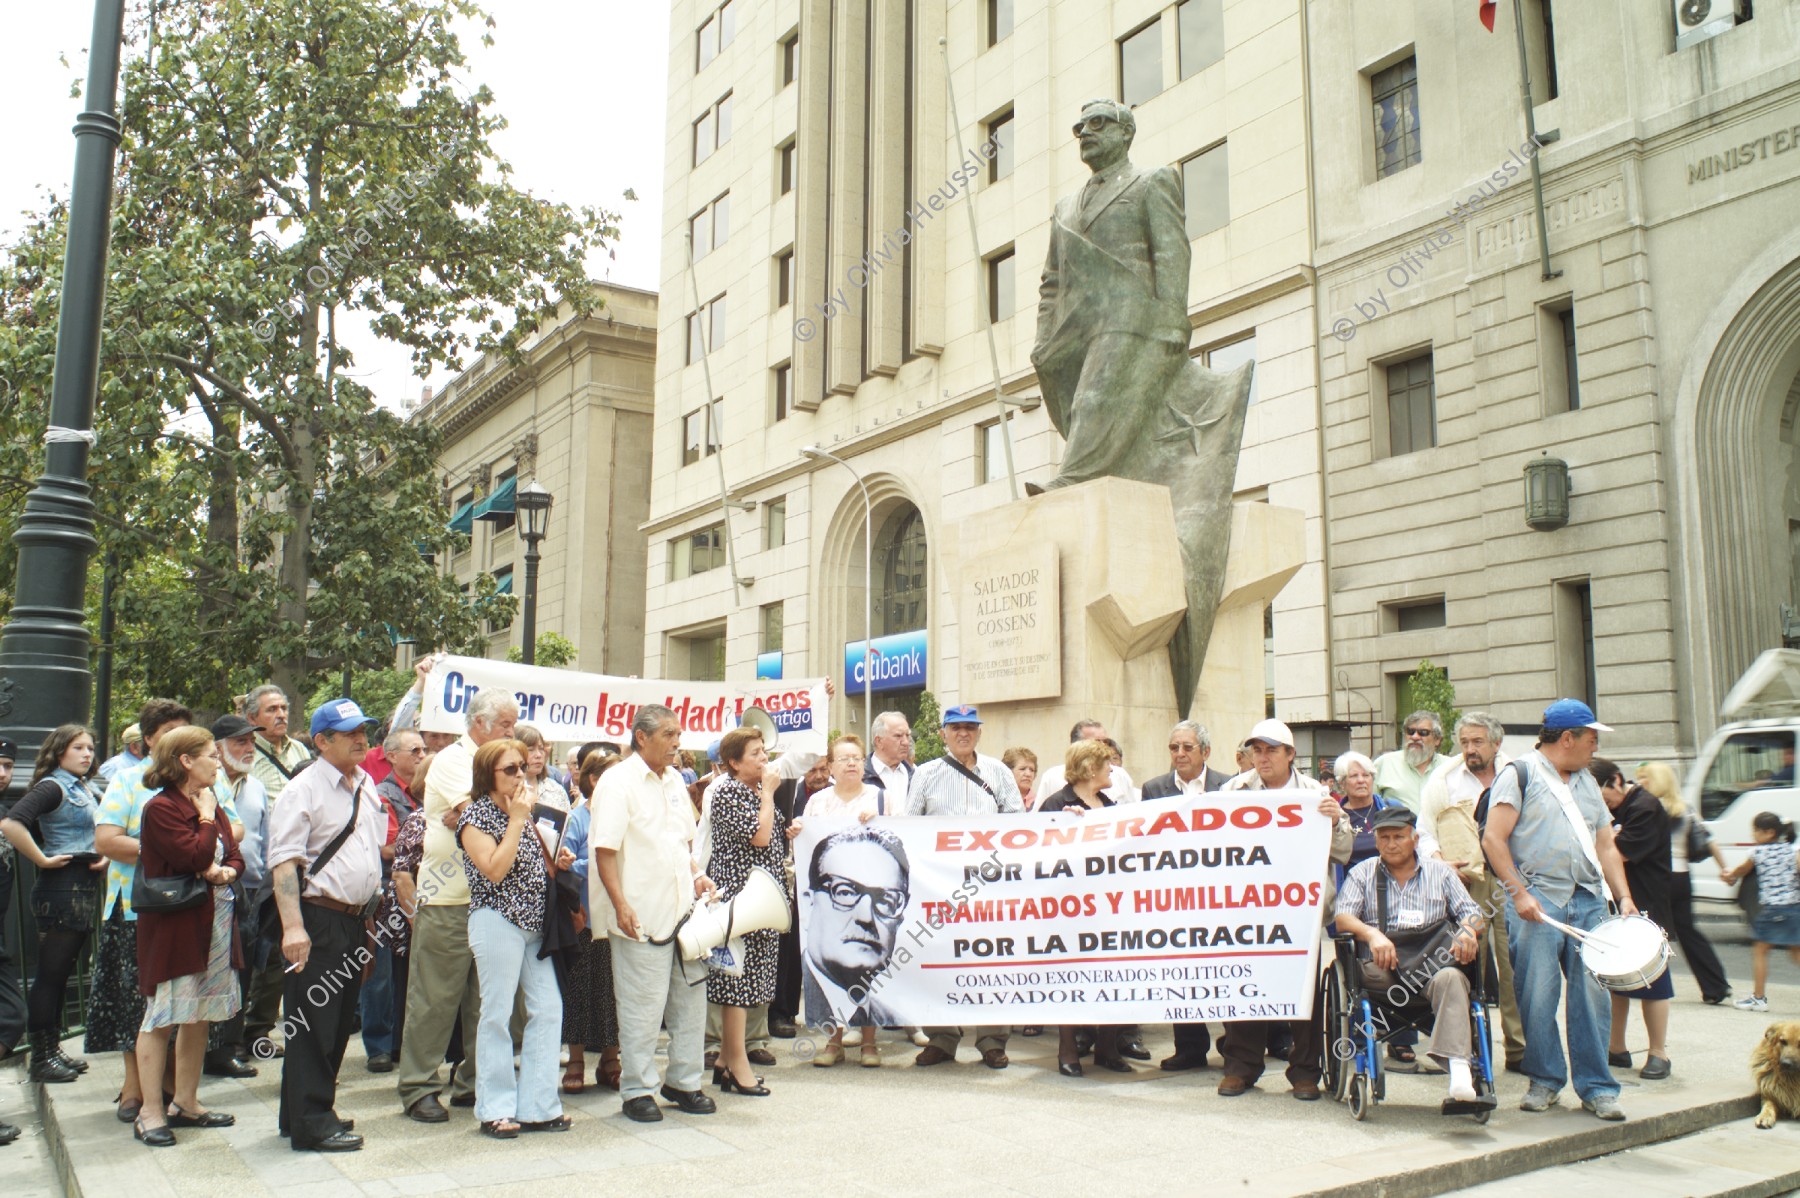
{"x":643,"y":859}
{"x":1447,"y":831}
{"x":1120,"y":790}
{"x":441,"y":979}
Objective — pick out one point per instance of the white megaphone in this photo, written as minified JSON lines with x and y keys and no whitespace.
{"x":757,"y":718}
{"x":759,"y":906}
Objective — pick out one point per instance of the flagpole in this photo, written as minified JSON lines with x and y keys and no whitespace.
{"x":1537,"y":170}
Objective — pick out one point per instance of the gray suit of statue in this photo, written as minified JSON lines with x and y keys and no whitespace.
{"x":1112,"y":358}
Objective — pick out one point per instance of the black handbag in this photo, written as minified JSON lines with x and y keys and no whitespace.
{"x":166,"y":896}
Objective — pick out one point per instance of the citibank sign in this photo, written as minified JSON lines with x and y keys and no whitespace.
{"x":899,"y":663}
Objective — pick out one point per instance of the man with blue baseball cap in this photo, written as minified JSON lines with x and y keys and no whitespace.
{"x":963,"y":782}
{"x":323,"y":853}
{"x":1549,"y":841}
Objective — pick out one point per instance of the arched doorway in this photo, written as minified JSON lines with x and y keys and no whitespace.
{"x":901,"y":573}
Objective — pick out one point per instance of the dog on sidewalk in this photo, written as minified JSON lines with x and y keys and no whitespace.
{"x":1775,"y":1067}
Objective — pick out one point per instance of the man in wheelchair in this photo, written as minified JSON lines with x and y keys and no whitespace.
{"x":1415,"y":924}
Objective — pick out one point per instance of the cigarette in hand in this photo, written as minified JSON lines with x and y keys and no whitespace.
{"x":296,"y":967}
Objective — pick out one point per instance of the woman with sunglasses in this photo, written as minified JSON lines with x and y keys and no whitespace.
{"x":509,"y":888}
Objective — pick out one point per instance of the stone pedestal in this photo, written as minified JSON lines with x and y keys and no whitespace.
{"x":1268,"y":547}
{"x":1065,"y":605}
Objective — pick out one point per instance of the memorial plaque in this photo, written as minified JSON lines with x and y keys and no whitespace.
{"x":1010,"y":615}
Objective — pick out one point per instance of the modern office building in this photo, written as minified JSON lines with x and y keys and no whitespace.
{"x":575,"y":414}
{"x":807,"y":140}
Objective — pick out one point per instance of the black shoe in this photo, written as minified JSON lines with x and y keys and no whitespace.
{"x":1134,"y":1048}
{"x":463,"y":1100}
{"x":381,"y":1062}
{"x":782,"y":1029}
{"x":1115,"y":1064}
{"x":1069,"y":1068}
{"x":343,"y":1141}
{"x":643,"y":1109}
{"x":227,"y":1066}
{"x":1618,"y":1060}
{"x":207,"y":1119}
{"x":8,"y":1133}
{"x":75,"y":1063}
{"x":428,"y":1110}
{"x":691,"y":1102}
{"x":1184,"y":1060}
{"x":761,"y":1056}
{"x":45,"y":1066}
{"x":1716,"y":999}
{"x":1655,"y":1069}
{"x":344,"y":1124}
{"x":1515,"y":1066}
{"x":153,"y":1137}
{"x":265,"y":1049}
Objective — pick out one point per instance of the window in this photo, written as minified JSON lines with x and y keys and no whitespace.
{"x":712,"y":130}
{"x":999,"y":20}
{"x":1416,"y":615}
{"x":1395,"y":92}
{"x":698,"y":656}
{"x":1000,"y":131}
{"x":784,"y":278}
{"x":1762,"y":760}
{"x":1269,"y":662}
{"x":710,"y":320}
{"x":1140,"y":64}
{"x":1547,"y":73}
{"x":1202,"y":27}
{"x":785,"y":167}
{"x":715,"y":34}
{"x":1234,"y":354}
{"x":1204,"y":179}
{"x":1573,"y":609}
{"x":1411,"y":406}
{"x":784,"y":391}
{"x":709,"y":227}
{"x":1407,"y":701}
{"x":993,"y":451}
{"x":503,"y":520}
{"x":900,"y":565}
{"x":1558,"y":376}
{"x":697,"y":552}
{"x":790,"y":58}
{"x":775,"y":523}
{"x":700,"y":431}
{"x":772,"y":623}
{"x":503,"y":585}
{"x":1000,"y":285}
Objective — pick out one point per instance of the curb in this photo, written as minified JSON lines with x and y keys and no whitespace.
{"x":1500,"y":1163}
{"x":54,"y":1141}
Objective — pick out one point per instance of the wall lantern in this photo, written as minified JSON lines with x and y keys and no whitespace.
{"x":1546,"y":493}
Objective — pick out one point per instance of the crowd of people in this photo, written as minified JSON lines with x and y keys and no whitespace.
{"x":259,"y":897}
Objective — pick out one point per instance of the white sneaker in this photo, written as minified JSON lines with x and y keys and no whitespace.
{"x":1462,"y":1081}
{"x":918,"y":1036}
{"x":1752,"y":1002}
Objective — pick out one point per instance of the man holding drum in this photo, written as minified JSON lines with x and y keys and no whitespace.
{"x":1552,"y":848}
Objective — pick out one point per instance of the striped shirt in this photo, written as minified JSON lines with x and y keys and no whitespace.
{"x":1428,"y":898}
{"x":939,"y":788}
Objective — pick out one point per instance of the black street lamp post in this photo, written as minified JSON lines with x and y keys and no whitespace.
{"x":44,"y":675}
{"x":533,"y":506}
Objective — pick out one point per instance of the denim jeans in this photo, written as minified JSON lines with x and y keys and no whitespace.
{"x":1542,"y":958}
{"x":378,"y":1005}
{"x":506,"y":961}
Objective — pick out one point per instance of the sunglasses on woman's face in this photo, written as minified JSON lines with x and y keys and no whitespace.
{"x":511,"y":771}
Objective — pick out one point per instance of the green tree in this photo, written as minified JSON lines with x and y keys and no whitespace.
{"x":1428,"y":689}
{"x":553,"y":650}
{"x":928,"y":738}
{"x":289,"y":168}
{"x":375,"y":691}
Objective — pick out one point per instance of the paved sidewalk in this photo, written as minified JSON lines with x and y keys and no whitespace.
{"x":1023,"y":1130}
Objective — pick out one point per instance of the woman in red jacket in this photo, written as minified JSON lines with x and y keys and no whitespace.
{"x":186,"y":959}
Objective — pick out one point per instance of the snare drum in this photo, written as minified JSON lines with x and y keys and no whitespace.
{"x":1626,"y":952}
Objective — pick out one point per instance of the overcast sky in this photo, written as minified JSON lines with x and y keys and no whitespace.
{"x":580,"y":81}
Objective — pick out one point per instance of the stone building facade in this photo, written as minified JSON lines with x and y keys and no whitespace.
{"x":576,"y":414}
{"x":1659,"y":361}
{"x":803,"y":137}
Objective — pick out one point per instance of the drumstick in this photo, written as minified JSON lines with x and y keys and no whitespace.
{"x":1567,"y":930}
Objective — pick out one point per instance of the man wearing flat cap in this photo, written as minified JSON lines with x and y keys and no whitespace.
{"x":1403,"y":909}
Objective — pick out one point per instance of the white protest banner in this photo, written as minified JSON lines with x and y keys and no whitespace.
{"x":568,"y":706}
{"x":1198,"y":909}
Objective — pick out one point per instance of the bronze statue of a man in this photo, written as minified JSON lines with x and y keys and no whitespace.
{"x":1112,"y":317}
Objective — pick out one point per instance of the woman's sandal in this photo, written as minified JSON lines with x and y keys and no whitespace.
{"x":574,"y":1079}
{"x":500,"y":1129}
{"x":560,"y":1123}
{"x":611,"y":1070}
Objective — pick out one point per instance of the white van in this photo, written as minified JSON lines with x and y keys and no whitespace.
{"x":1747,"y":767}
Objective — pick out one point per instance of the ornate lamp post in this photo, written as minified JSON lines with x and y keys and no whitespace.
{"x":533,"y":506}
{"x":44,"y":677}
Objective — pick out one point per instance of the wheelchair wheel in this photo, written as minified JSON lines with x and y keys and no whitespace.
{"x":1483,"y":1116}
{"x":1362,"y":1099}
{"x":1340,"y":1029}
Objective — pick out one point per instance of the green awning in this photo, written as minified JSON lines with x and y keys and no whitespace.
{"x":500,"y":503}
{"x":505,"y":584}
{"x":464,"y":520}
